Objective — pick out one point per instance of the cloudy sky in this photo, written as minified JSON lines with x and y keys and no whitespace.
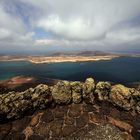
{"x":62,"y":25}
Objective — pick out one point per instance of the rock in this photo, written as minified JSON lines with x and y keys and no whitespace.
{"x":137,"y":107}
{"x":41,"y":96}
{"x":61,"y":92}
{"x":90,"y":108}
{"x":69,"y":120}
{"x":35,"y":137}
{"x":41,"y":129}
{"x":135,"y":94}
{"x":75,"y":110}
{"x":76,"y":88}
{"x":20,"y":125}
{"x":15,"y":104}
{"x":122,"y":125}
{"x":103,"y":90}
{"x":28,"y":131}
{"x":68,"y":130}
{"x":121,"y":96}
{"x":47,"y":116}
{"x":88,"y":86}
{"x":35,"y":119}
{"x":60,"y":111}
{"x":138,"y":88}
{"x":95,"y":118}
{"x":88,"y":89}
{"x":136,"y":97}
{"x":82,"y":120}
{"x":15,"y":136}
{"x":103,"y":132}
{"x":5,"y":129}
{"x":56,"y":128}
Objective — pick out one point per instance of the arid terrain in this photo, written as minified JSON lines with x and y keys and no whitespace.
{"x":59,"y":57}
{"x":56,"y":59}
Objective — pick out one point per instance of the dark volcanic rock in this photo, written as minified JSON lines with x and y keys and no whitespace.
{"x":47,"y":116}
{"x":82,"y":120}
{"x":35,"y":137}
{"x":68,"y":130}
{"x":56,"y":128}
{"x":103,"y":132}
{"x":14,"y":105}
{"x":75,"y":110}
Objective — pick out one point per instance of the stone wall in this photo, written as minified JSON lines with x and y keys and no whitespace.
{"x":14,"y":105}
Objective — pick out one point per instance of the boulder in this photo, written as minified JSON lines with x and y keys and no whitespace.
{"x":76,"y":88}
{"x":135,"y":94}
{"x":88,"y":89}
{"x":137,"y":107}
{"x":122,"y":97}
{"x":15,"y":104}
{"x":61,"y":92}
{"x":41,"y":96}
{"x":103,"y":90}
{"x":138,"y":88}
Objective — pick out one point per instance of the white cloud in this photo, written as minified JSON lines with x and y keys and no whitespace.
{"x":4,"y":33}
{"x":12,"y":30}
{"x":87,"y":19}
{"x":48,"y":42}
{"x":123,"y":35}
{"x":72,"y":22}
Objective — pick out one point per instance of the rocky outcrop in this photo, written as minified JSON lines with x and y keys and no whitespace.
{"x":61,"y":92}
{"x":126,"y":98}
{"x":71,"y":110}
{"x":121,"y":96}
{"x":88,"y":89}
{"x":76,"y":88}
{"x":103,"y":90}
{"x":14,"y":104}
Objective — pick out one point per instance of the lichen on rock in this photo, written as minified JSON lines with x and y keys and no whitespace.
{"x":122,"y":97}
{"x":103,"y":90}
{"x":15,"y":104}
{"x":76,"y":88}
{"x":61,"y":92}
{"x":88,"y":89}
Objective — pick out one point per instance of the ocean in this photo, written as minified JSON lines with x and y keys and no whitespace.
{"x":118,"y":70}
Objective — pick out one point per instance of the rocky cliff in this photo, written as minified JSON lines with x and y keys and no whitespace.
{"x":73,"y":99}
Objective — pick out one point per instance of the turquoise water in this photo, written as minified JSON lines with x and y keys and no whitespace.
{"x":123,"y":70}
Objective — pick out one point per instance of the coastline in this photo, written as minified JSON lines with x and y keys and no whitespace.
{"x":70,"y":59}
{"x":58,"y":59}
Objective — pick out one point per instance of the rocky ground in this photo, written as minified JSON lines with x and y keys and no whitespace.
{"x":71,"y":111}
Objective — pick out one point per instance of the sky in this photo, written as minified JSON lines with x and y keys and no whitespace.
{"x":42,"y":26}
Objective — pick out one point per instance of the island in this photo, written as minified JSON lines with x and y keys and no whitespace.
{"x":62,"y":57}
{"x":56,"y":59}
